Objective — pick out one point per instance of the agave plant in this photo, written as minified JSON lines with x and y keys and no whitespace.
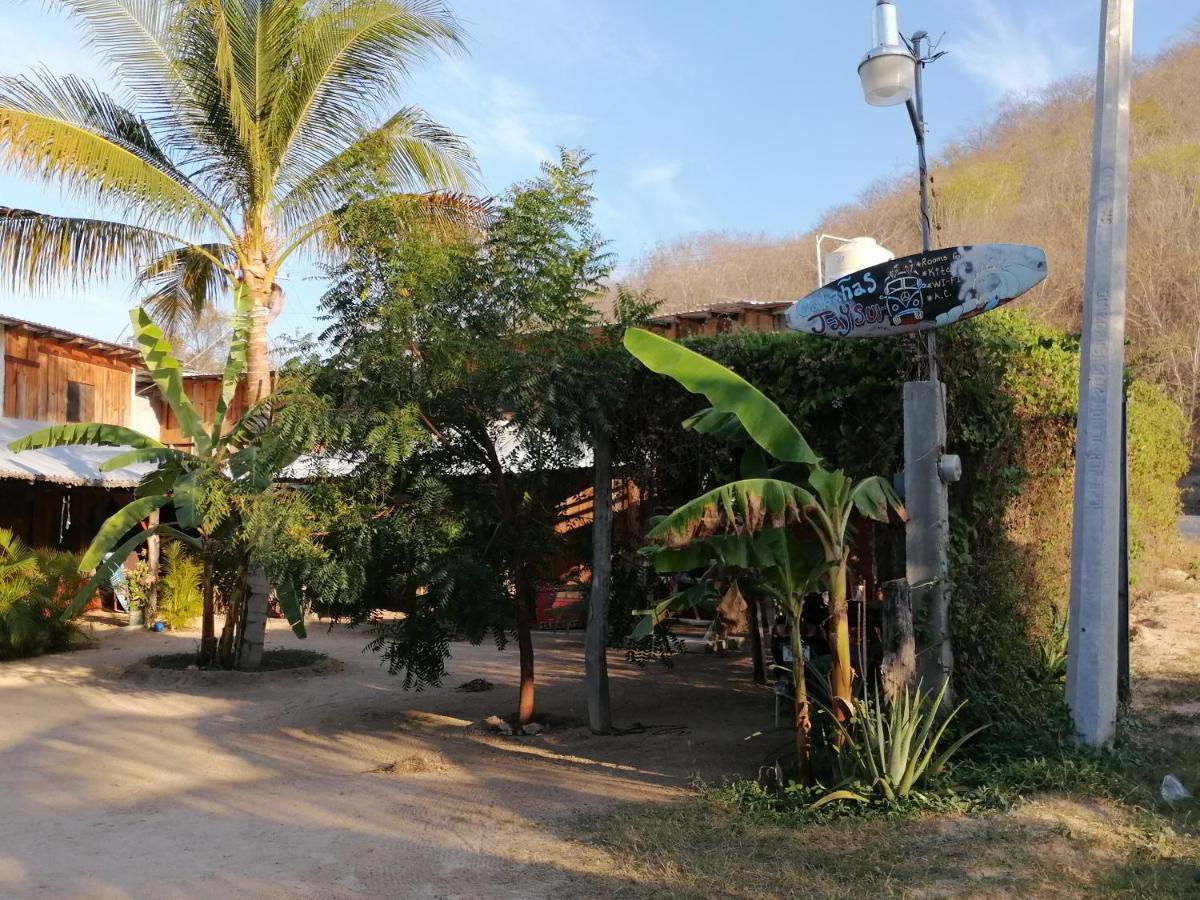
{"x":894,"y":746}
{"x":798,"y":491}
{"x":205,"y":489}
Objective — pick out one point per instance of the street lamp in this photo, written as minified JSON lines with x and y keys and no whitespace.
{"x":889,"y":71}
{"x":891,"y":75}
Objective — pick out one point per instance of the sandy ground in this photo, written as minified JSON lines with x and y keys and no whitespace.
{"x":337,"y":785}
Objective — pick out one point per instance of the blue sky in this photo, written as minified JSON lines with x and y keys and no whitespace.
{"x":700,"y":114}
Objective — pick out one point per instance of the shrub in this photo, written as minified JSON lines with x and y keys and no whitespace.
{"x":35,"y":589}
{"x":180,"y":590}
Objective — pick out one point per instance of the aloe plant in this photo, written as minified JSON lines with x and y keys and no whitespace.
{"x":798,"y":491}
{"x":204,"y":489}
{"x":893,"y":747}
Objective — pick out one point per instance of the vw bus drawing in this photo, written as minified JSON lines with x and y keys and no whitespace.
{"x":904,"y":298}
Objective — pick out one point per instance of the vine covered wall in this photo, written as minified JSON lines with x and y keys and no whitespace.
{"x":1011,"y":398}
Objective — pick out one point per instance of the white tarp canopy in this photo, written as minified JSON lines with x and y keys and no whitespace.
{"x":72,"y":466}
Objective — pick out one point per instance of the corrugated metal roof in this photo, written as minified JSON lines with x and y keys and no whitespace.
{"x":72,"y":466}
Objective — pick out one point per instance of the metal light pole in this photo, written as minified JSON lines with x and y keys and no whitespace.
{"x":892,"y":74}
{"x":1092,"y":661}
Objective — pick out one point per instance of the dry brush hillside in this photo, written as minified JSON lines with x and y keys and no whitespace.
{"x":1023,"y":178}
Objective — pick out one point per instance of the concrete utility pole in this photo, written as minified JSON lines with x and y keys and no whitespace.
{"x":926,"y":483}
{"x":1095,"y":558}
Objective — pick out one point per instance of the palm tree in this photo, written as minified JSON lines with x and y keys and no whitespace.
{"x":255,"y":124}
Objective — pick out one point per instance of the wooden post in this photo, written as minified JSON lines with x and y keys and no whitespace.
{"x":899,"y":644}
{"x":153,"y":558}
{"x":596,"y":638}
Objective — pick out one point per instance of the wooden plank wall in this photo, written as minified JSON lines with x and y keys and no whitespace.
{"x":36,"y":372}
{"x":204,"y":394}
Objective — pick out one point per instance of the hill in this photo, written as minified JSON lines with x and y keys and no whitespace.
{"x":1024,"y":178}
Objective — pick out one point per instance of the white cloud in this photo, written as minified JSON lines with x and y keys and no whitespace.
{"x":658,"y":175}
{"x":504,"y":120}
{"x":1019,"y":51}
{"x":658,"y":183}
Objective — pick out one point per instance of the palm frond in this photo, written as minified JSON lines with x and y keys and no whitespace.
{"x":185,"y":281}
{"x":39,"y":251}
{"x":409,"y":152}
{"x":139,"y":44}
{"x":350,"y":58}
{"x":69,"y":133}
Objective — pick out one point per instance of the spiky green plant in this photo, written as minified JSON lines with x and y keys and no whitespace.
{"x":255,"y":123}
{"x":894,"y":746}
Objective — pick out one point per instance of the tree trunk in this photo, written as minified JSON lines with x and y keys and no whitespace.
{"x":258,"y":360}
{"x":596,"y":638}
{"x":766,"y":627}
{"x":899,"y":643}
{"x":254,"y":622}
{"x":841,"y":675}
{"x":756,"y":642}
{"x":525,"y":646}
{"x":803,"y":723}
{"x":250,"y":636}
{"x":208,"y":630}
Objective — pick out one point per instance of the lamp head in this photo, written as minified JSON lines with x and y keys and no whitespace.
{"x":889,"y":71}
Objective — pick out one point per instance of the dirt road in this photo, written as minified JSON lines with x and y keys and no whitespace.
{"x":339,"y":785}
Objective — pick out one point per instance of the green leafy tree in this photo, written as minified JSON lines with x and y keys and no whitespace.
{"x":221,"y":499}
{"x":458,"y":347}
{"x":256,"y":123}
{"x":772,"y":497}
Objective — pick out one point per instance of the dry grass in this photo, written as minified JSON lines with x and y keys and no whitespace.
{"x":1056,"y":847}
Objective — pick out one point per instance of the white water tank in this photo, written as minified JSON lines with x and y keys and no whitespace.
{"x":854,"y":255}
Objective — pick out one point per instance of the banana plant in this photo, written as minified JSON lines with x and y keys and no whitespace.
{"x":772,"y":561}
{"x":799,"y":490}
{"x":201,"y":490}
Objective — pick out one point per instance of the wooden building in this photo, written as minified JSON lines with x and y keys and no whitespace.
{"x":720,"y":318}
{"x":58,"y":498}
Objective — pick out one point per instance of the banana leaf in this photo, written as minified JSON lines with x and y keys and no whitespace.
{"x":143,"y":455}
{"x":92,"y":434}
{"x":185,"y":497}
{"x":727,"y":391}
{"x":289,"y":602}
{"x":167,"y":374}
{"x":239,"y":346}
{"x":699,"y":594}
{"x":741,"y":507}
{"x":115,"y":527}
{"x":874,"y":498}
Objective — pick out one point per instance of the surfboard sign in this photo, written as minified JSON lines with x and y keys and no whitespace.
{"x":920,"y":292}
